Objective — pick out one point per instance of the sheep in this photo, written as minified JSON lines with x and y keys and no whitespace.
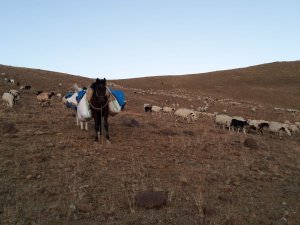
{"x":147,"y":107}
{"x":258,"y":125}
{"x":26,"y":87}
{"x":276,"y":127}
{"x":58,"y":95}
{"x":293,"y":128}
{"x":38,"y":92}
{"x":8,"y":99}
{"x":16,"y":95}
{"x":11,"y":81}
{"x":202,"y":109}
{"x":156,"y":109}
{"x":253,"y":109}
{"x":223,"y":120}
{"x":44,"y":98}
{"x":238,"y":123}
{"x":168,"y":110}
{"x":207,"y":114}
{"x":185,"y":114}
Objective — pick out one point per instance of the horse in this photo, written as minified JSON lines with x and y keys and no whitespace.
{"x":99,"y":107}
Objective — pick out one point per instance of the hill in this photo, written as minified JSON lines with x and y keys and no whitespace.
{"x":275,"y":83}
{"x":51,"y":172}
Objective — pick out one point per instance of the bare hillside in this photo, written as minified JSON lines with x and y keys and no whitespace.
{"x":272,"y":84}
{"x":51,"y":172}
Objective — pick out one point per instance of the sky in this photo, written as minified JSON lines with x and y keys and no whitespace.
{"x":120,"y":39}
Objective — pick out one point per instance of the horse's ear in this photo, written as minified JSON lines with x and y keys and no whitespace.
{"x":104,"y":81}
{"x":97,"y":80}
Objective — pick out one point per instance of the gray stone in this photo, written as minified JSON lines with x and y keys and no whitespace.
{"x":151,"y":199}
{"x":251,"y":143}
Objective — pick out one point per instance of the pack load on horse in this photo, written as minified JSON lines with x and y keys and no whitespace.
{"x":119,"y":96}
{"x":78,"y":101}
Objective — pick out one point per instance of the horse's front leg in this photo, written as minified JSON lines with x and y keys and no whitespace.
{"x":106,"y":129}
{"x":97,"y":125}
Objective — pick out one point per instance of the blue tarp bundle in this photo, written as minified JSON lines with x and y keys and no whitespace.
{"x":69,"y":94}
{"x":120,"y":96}
{"x":71,"y":106}
{"x":80,"y":95}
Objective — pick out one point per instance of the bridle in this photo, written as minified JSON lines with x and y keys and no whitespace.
{"x":99,"y":109}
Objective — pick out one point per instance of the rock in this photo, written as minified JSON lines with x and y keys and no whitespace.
{"x":251,"y":143}
{"x":208,"y":210}
{"x":50,"y":145}
{"x":131,"y":122}
{"x":84,"y":207}
{"x":234,"y":220}
{"x":282,"y":221}
{"x":151,"y":199}
{"x":224,"y":198}
{"x":183,"y":179}
{"x":8,"y":128}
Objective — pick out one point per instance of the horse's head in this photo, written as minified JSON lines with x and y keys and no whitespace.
{"x":100,"y":88}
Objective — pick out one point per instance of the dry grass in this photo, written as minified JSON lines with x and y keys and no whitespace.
{"x":53,"y":173}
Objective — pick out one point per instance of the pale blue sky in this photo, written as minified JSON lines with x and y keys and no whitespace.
{"x":133,"y":38}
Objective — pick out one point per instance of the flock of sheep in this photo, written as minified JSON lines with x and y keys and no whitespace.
{"x":181,"y":114}
{"x":225,"y":121}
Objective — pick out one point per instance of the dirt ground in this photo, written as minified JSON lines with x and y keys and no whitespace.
{"x":54,"y":173}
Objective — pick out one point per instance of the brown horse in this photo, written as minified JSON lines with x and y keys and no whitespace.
{"x":99,"y":107}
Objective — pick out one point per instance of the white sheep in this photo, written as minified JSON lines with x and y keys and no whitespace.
{"x":223,"y":120}
{"x":258,"y":125}
{"x":185,"y":114}
{"x":276,"y":127}
{"x":8,"y":99}
{"x":208,"y":115}
{"x":16,"y":95}
{"x":292,"y":127}
{"x":156,"y":109}
{"x":44,"y":98}
{"x":168,"y":110}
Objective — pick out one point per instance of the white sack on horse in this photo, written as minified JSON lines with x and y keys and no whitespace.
{"x":83,"y":109}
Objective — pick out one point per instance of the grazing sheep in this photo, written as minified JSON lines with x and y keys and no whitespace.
{"x":8,"y":99}
{"x":202,"y":109}
{"x":258,"y":125}
{"x":16,"y":95}
{"x":276,"y":127}
{"x":147,"y":107}
{"x":293,"y":128}
{"x":26,"y":87}
{"x":44,"y":98}
{"x":239,"y":124}
{"x":11,"y":81}
{"x":185,"y":114}
{"x":156,"y":109}
{"x":168,"y":110}
{"x":223,"y":120}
